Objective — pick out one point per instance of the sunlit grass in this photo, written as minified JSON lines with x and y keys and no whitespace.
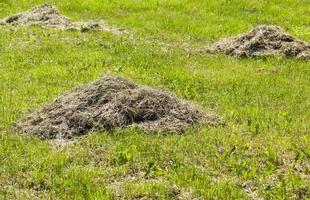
{"x":263,"y":150}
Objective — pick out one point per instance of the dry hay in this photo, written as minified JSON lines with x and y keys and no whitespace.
{"x":113,"y":102}
{"x":48,"y":16}
{"x":262,"y":41}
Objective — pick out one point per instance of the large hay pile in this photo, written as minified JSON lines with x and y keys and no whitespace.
{"x":113,"y":102}
{"x":263,"y":41}
{"x":48,"y":16}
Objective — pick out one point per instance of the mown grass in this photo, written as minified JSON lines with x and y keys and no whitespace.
{"x":262,"y":152}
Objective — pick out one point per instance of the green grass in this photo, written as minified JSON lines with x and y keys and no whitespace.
{"x":264,"y":151}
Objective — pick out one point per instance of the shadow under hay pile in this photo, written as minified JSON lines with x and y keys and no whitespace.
{"x":113,"y":102}
{"x":48,"y":16}
{"x":262,"y":41}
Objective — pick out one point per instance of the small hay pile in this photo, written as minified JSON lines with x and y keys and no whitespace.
{"x":113,"y":102}
{"x":48,"y":16}
{"x":262,"y":41}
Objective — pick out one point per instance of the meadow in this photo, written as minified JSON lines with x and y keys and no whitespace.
{"x":262,"y":153}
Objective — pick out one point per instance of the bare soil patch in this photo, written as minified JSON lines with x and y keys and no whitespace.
{"x":113,"y":102}
{"x":262,"y":41}
{"x":48,"y":16}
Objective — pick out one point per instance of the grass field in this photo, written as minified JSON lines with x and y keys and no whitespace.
{"x":263,"y":152}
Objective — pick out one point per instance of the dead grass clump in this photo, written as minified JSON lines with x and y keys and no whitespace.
{"x":262,"y":41}
{"x":113,"y":102}
{"x":48,"y":16}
